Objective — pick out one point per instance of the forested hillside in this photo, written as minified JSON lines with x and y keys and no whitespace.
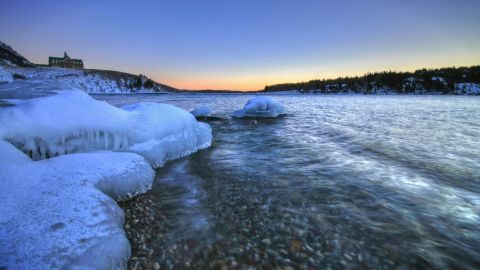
{"x":461,"y":80}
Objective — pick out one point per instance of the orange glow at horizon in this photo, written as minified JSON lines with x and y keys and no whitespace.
{"x":254,"y":82}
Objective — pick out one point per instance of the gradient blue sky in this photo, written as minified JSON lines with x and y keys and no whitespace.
{"x":246,"y":45}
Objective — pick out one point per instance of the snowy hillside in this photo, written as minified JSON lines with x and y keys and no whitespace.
{"x":91,"y":81}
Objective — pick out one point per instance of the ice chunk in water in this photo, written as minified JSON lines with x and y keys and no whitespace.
{"x":202,"y":111}
{"x":261,"y":106}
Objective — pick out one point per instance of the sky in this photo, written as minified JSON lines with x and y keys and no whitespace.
{"x":245,"y":45}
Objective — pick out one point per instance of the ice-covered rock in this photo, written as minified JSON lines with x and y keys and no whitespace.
{"x":202,"y":111}
{"x":261,"y":106}
{"x":72,"y":121}
{"x":60,"y":213}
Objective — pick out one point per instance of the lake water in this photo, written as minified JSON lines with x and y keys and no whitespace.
{"x":381,"y":182}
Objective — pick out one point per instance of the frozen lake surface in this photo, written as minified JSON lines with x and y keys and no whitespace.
{"x":340,"y":182}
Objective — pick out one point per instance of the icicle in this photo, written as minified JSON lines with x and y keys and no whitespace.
{"x":29,"y":143}
{"x":97,"y":137}
{"x":36,"y":154}
{"x":124,"y":141}
{"x":116,"y":141}
{"x":43,"y":151}
{"x":105,"y":136}
{"x":61,"y":150}
{"x":91,"y":136}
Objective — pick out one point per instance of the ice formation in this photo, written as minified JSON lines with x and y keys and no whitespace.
{"x":202,"y":111}
{"x":58,"y":182}
{"x":55,"y":213}
{"x":162,"y":132}
{"x":261,"y":106}
{"x":72,"y":121}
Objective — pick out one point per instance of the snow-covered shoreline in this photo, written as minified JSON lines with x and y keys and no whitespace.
{"x":90,"y":81}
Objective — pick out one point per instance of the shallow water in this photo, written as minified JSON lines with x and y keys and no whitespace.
{"x":340,"y":182}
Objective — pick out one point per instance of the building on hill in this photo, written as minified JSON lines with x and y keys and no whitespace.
{"x":65,"y":62}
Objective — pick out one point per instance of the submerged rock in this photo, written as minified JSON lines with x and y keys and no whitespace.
{"x":213,"y":118}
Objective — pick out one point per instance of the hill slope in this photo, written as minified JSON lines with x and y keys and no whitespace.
{"x":9,"y":56}
{"x":15,"y":66}
{"x":91,"y":80}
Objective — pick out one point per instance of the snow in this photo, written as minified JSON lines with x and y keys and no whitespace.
{"x":261,"y":106}
{"x":467,"y":88}
{"x":5,"y":76}
{"x":439,"y":79}
{"x":202,"y":111}
{"x":61,"y":213}
{"x":71,"y":121}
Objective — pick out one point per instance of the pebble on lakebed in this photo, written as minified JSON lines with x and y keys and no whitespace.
{"x":148,"y":227}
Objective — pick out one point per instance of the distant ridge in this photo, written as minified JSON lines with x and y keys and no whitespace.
{"x":453,"y":80}
{"x":216,"y":91}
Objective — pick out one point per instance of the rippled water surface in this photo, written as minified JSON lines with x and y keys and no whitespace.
{"x":379,"y":182}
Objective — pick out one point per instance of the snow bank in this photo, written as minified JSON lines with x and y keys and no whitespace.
{"x":55,"y":213}
{"x":260,"y":107}
{"x":202,"y":111}
{"x":72,"y":121}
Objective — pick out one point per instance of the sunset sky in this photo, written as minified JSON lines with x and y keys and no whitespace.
{"x":245,"y":45}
